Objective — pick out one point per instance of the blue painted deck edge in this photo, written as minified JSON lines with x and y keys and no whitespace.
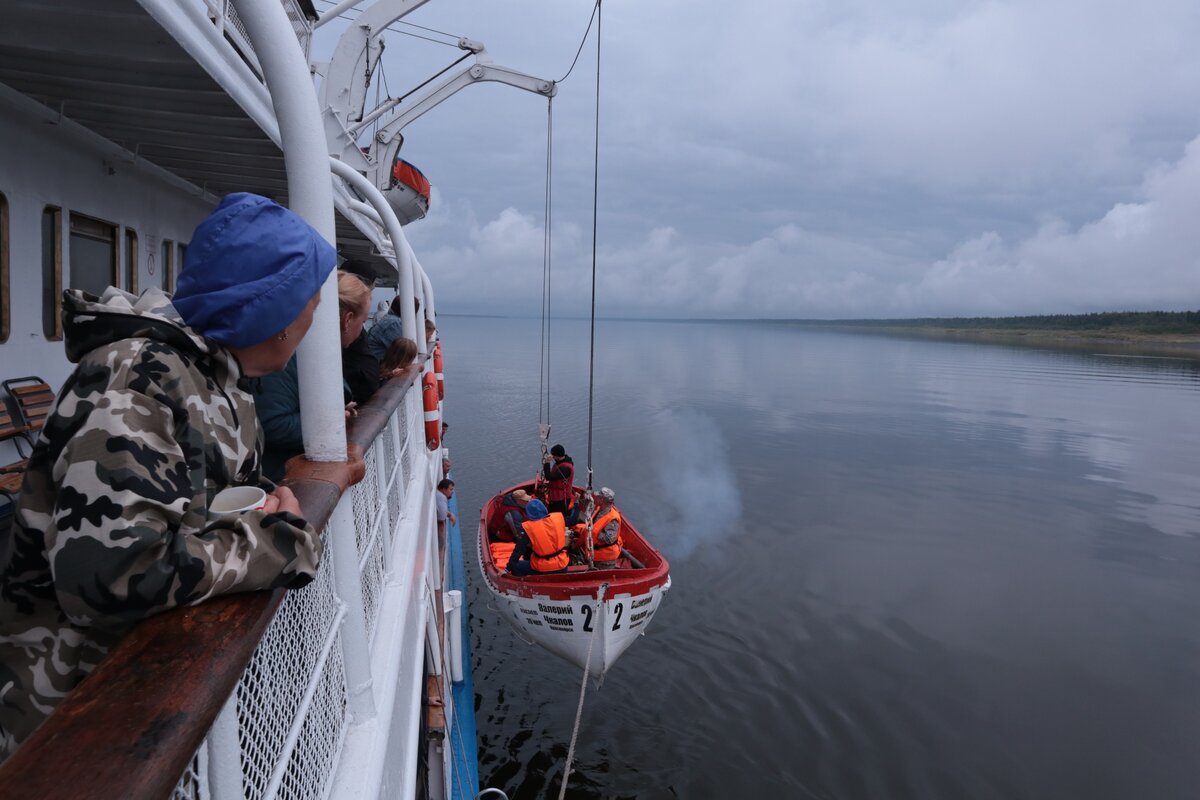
{"x":464,"y":749}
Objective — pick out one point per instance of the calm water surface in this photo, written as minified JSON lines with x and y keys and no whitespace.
{"x":902,"y":569}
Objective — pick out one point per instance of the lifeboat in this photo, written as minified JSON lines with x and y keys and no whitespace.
{"x":408,"y":192}
{"x":559,"y":611}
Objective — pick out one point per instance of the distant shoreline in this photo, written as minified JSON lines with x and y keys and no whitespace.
{"x":1179,"y":345}
{"x":1169,"y":334}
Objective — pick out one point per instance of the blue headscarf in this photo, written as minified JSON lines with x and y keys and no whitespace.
{"x":536,"y":509}
{"x":250,"y":269}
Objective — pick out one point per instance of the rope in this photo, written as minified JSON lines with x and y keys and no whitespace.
{"x":562,"y":791}
{"x":432,"y":77}
{"x":544,"y":362}
{"x":346,"y":16}
{"x":595,"y":206}
{"x":582,"y":42}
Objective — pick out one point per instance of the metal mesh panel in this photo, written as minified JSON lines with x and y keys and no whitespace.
{"x":365,"y":499}
{"x":321,"y":738}
{"x":406,"y":438}
{"x":272,"y":689}
{"x":368,"y":509}
{"x":389,"y":442}
{"x":299,"y":22}
{"x":371,"y":575}
{"x":189,"y":786}
{"x":370,"y":484}
{"x":395,"y":472}
{"x":236,"y":28}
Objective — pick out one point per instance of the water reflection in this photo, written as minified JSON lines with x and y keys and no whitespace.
{"x":902,"y":568}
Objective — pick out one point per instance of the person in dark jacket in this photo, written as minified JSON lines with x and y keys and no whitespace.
{"x":112,"y":523}
{"x":387,"y":328}
{"x":360,"y":370}
{"x":559,"y":471}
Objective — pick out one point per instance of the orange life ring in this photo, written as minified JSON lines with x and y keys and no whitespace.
{"x":437,"y":370}
{"x":433,"y":428}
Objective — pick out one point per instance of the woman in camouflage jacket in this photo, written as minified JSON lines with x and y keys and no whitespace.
{"x":112,"y":523}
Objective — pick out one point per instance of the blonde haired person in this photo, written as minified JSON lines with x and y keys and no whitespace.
{"x":360,"y":370}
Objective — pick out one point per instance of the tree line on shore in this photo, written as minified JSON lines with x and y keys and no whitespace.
{"x":1123,"y":322}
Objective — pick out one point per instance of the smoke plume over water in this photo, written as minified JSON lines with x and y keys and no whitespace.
{"x":701,"y":501}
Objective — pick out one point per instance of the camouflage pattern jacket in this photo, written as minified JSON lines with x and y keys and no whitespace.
{"x":111,"y":524}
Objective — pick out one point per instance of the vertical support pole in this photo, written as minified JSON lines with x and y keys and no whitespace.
{"x":404,"y":286}
{"x":454,"y":633}
{"x":426,"y":286}
{"x":310,"y":195}
{"x":356,"y":649}
{"x":398,"y":484}
{"x":225,"y":754}
{"x":381,"y":491}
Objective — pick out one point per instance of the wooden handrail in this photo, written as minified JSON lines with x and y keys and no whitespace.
{"x":133,"y":725}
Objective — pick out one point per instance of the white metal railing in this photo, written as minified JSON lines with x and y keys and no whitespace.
{"x":225,"y":17}
{"x":288,"y":724}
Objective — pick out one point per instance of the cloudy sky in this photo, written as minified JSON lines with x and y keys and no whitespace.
{"x":819,"y":159}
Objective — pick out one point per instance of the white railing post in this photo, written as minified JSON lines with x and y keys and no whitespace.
{"x":310,"y":194}
{"x":225,"y":754}
{"x":454,"y":633}
{"x":347,"y":582}
{"x":385,"y":523}
{"x":405,"y":284}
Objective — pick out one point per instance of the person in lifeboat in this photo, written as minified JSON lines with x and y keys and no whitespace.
{"x":541,"y":547}
{"x":606,"y":531}
{"x":512,"y":509}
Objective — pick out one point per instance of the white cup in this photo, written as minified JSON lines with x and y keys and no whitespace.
{"x":236,"y":500}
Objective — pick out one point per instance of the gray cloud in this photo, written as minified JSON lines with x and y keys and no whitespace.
{"x":825,"y":159}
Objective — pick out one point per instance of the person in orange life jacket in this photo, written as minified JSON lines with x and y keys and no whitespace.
{"x":559,"y":470}
{"x":606,"y":531}
{"x":542,"y":543}
{"x":512,"y":506}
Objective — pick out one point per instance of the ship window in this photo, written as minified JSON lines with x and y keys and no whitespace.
{"x":167,"y":274}
{"x":131,"y":261}
{"x":182,"y":256}
{"x":93,"y":254}
{"x":4,"y":301}
{"x":52,"y":273}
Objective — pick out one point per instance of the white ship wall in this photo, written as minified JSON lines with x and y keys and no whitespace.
{"x":42,"y":166}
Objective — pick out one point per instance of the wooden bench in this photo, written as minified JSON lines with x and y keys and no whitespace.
{"x":32,"y":400}
{"x":23,"y":412}
{"x":11,"y":474}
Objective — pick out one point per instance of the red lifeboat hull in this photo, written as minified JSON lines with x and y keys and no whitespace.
{"x":587,"y":616}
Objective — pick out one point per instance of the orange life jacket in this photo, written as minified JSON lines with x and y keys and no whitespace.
{"x":548,"y":536}
{"x":612,"y":551}
{"x":559,"y":489}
